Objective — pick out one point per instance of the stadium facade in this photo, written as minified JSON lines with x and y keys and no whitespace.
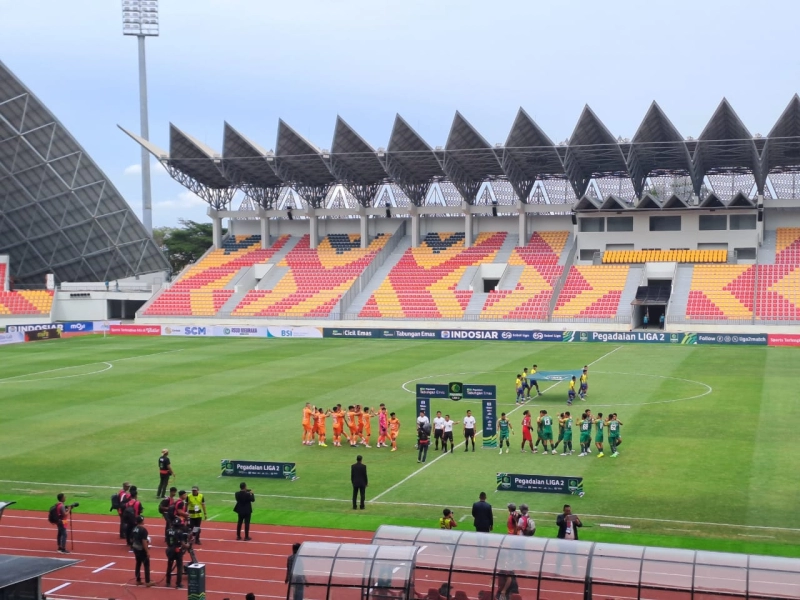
{"x":59,"y":213}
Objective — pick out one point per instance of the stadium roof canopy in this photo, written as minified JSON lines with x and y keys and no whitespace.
{"x":59,"y":213}
{"x":467,"y":160}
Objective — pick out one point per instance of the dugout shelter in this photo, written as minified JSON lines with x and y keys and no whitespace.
{"x":21,"y":576}
{"x":328,"y":571}
{"x":476,"y":565}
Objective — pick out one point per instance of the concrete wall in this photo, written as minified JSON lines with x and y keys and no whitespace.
{"x":689,"y":236}
{"x":77,"y":309}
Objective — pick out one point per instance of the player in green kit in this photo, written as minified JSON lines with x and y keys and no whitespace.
{"x":599,"y":423}
{"x":586,"y":434}
{"x":546,"y":421}
{"x":560,"y":430}
{"x":504,"y":427}
{"x":565,"y":424}
{"x":613,"y":434}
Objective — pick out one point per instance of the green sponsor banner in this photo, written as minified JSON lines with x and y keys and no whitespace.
{"x":251,"y":468}
{"x":489,"y":423}
{"x":631,"y":337}
{"x":456,"y":390}
{"x":548,"y":484}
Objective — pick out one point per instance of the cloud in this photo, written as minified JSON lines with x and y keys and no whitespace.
{"x":156,"y":168}
{"x":185,"y":199}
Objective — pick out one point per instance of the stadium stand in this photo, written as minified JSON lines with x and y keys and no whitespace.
{"x":682,"y":256}
{"x":422,"y":285}
{"x":530,"y":299}
{"x":778,"y":293}
{"x":201,"y":289}
{"x":316,"y":279}
{"x":788,"y":246}
{"x":721,"y":292}
{"x":591,"y":292}
{"x":26,"y":302}
{"x":3,"y":272}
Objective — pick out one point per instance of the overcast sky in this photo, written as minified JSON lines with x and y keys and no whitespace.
{"x":252,"y":61}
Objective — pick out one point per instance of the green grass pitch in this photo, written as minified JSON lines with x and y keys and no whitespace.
{"x":709,"y":458}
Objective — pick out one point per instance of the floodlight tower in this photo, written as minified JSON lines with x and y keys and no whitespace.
{"x":140,"y":18}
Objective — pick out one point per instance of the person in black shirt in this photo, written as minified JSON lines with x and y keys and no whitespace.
{"x":164,"y":473}
{"x":244,"y":508}
{"x":423,"y":441}
{"x":177,"y":543}
{"x":358,"y":477}
{"x":141,"y":550}
{"x":298,"y":581}
{"x":167,"y":510}
{"x":482,"y":514}
{"x":132,"y":509}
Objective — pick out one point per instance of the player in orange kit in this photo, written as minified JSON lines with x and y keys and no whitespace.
{"x":394,"y":430}
{"x":308,"y":427}
{"x":319,"y":418}
{"x":366,"y":415}
{"x":338,"y":425}
{"x":351,"y":424}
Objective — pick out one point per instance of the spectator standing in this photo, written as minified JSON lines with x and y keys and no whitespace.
{"x":123,"y":496}
{"x":62,"y":519}
{"x":164,"y":473}
{"x":568,"y":524}
{"x":513,"y":518}
{"x":196,"y":504}
{"x":482,"y":514}
{"x":661,"y":320}
{"x":244,"y":508}
{"x":359,"y":479}
{"x":141,"y":550}
{"x":525,"y":524}
{"x":423,"y":441}
{"x":298,"y":581}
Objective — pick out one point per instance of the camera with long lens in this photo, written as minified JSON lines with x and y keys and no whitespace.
{"x":75,"y":505}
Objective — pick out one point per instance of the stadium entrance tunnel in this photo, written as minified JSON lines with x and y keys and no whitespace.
{"x":479,"y":566}
{"x":124,"y":309}
{"x":325,"y":571}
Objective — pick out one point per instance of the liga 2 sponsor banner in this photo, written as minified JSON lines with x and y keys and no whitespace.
{"x":750,"y":339}
{"x":444,"y":334}
{"x":783,"y":339}
{"x":548,"y":484}
{"x":227,"y":331}
{"x":294,"y":332}
{"x":79,"y":327}
{"x":252,"y":468}
{"x":42,"y":334}
{"x":134,"y":329}
{"x":640,"y":337}
{"x":185,"y":330}
{"x":36,"y":327}
{"x":11,"y":338}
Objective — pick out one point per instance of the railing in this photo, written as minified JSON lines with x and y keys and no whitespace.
{"x":683,"y":320}
{"x":563,"y":279}
{"x":111,"y":287}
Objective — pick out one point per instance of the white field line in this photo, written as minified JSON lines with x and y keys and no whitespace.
{"x":477,"y":433}
{"x":55,"y":589}
{"x":109,"y":363}
{"x":104,"y":567}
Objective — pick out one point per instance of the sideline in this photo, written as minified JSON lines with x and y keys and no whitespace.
{"x":477,"y":433}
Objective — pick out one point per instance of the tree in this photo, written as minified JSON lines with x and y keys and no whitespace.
{"x":187,"y":243}
{"x":160,"y":234}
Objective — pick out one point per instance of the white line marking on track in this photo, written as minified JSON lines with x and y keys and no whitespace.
{"x":462,"y":518}
{"x":55,"y":589}
{"x":214,"y":517}
{"x":104,"y":567}
{"x":477,"y":433}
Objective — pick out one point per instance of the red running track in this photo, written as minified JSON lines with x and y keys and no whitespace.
{"x":233,"y":568}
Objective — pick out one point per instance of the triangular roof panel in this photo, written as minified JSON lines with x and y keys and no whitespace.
{"x":675,"y":201}
{"x":245,"y":162}
{"x":352,"y":158}
{"x":726,"y":145}
{"x":195,"y":159}
{"x":740,"y":200}
{"x":782,"y":146}
{"x":648,"y":202}
{"x":712,"y":201}
{"x":614,"y":203}
{"x":586,"y":203}
{"x":410,"y":158}
{"x":298,"y":160}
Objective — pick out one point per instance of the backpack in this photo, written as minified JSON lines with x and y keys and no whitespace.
{"x":526,"y":525}
{"x":52,"y":515}
{"x":163,"y":507}
{"x":115,"y":504}
{"x":129,"y":514}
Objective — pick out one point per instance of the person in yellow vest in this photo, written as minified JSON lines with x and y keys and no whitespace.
{"x":196,"y":504}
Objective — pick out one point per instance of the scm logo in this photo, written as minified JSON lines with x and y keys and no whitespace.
{"x":194,"y":331}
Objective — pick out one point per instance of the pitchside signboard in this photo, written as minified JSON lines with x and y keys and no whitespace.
{"x":455,"y":390}
{"x":196,"y":574}
{"x":548,"y":484}
{"x":251,"y":468}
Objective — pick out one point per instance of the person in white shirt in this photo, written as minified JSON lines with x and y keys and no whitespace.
{"x":469,"y":431}
{"x":438,"y":428}
{"x":448,"y":434}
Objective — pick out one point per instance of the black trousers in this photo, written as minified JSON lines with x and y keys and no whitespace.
{"x":163,"y":484}
{"x":359,"y":489}
{"x":129,"y":527}
{"x":123,"y":529}
{"x":174,"y":559}
{"x":142,"y":558}
{"x":246,"y":520}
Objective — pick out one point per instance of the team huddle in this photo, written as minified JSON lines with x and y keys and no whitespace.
{"x":358,"y":420}
{"x":526,"y":382}
{"x":544,"y":433}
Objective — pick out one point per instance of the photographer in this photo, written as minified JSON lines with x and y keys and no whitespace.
{"x":164,"y":473}
{"x":62,"y":512}
{"x":140,"y":542}
{"x":131,"y":511}
{"x":244,"y":508}
{"x":568,"y":524}
{"x":177,"y":544}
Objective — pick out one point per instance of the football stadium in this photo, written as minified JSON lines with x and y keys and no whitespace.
{"x":600,"y":335}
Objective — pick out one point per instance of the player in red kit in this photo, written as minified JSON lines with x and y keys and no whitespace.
{"x":526,"y":430}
